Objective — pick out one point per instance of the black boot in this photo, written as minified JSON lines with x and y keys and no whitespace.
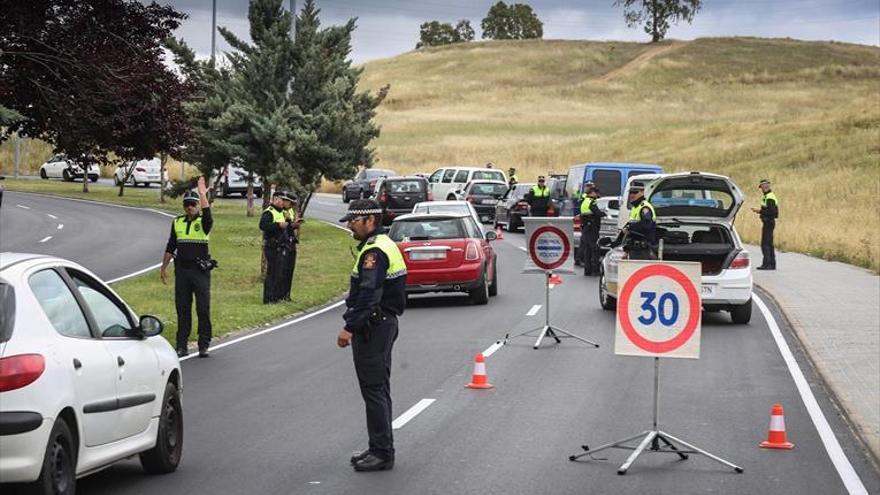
{"x":358,"y":456}
{"x":372,"y":463}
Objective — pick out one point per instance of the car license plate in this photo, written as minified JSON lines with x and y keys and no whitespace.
{"x":708,"y":290}
{"x":490,"y":201}
{"x":427,"y":255}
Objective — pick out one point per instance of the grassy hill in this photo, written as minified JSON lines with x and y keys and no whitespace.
{"x":804,"y":114}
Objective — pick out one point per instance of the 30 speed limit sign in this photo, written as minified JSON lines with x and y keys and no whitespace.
{"x":658,"y":309}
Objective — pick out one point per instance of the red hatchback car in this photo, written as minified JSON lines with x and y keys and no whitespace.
{"x":446,"y":252}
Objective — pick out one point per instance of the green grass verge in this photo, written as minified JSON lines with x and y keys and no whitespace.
{"x":323,"y":263}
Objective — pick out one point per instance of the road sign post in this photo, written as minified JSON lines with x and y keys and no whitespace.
{"x":658,"y":315}
{"x":549,"y":243}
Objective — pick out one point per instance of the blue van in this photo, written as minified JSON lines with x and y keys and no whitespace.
{"x":609,"y":177}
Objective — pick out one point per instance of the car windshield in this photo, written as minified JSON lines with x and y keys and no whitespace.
{"x":435,"y":208}
{"x":378,"y":172}
{"x":488,"y":189}
{"x":405,"y":186}
{"x":488,"y":175}
{"x":427,"y":229}
{"x":521,"y":190}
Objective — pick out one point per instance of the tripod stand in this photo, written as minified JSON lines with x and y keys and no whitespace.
{"x":653,"y":436}
{"x":548,"y":329}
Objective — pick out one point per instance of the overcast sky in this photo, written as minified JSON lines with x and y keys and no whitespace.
{"x":390,"y":27}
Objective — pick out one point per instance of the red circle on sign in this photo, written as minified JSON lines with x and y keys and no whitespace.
{"x":566,"y":247}
{"x":693,"y":299}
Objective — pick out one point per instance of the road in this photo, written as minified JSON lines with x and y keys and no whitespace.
{"x":281,"y":412}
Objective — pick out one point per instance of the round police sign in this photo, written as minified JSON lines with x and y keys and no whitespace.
{"x":658,"y":309}
{"x":549,"y":247}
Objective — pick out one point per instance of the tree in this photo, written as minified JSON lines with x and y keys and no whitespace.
{"x":88,"y":77}
{"x":657,"y":15}
{"x":435,"y":33}
{"x":512,"y":22}
{"x":464,"y":31}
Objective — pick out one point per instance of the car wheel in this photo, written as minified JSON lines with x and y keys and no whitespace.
{"x":225,"y":191}
{"x":608,"y":302}
{"x":741,"y":313}
{"x":493,"y":286}
{"x":510,"y":226}
{"x":165,"y":456}
{"x":66,"y":176}
{"x":146,"y":184}
{"x":362,"y":194}
{"x":58,"y":475}
{"x":93,"y":178}
{"x":116,"y":180}
{"x":43,"y":174}
{"x":480,"y":295}
{"x":345,"y":198}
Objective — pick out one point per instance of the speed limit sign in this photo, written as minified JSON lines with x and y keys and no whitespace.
{"x":658,"y":309}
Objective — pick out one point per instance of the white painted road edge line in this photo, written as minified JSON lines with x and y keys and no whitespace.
{"x":492,"y":348}
{"x":45,"y":239}
{"x":534,"y":310}
{"x":53,"y":217}
{"x":848,"y":475}
{"x":411,"y":413}
{"x":271,"y":329}
{"x":24,"y":207}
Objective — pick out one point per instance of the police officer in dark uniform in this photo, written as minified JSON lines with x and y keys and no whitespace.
{"x":376,"y":297}
{"x":512,"y":179}
{"x":275,"y":247}
{"x":769,"y":212}
{"x":291,"y":216}
{"x":538,"y":199}
{"x":188,"y":244}
{"x":641,"y":231}
{"x":591,"y":219}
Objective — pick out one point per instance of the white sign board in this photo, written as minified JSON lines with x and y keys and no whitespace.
{"x":658,"y":309}
{"x":550,"y":245}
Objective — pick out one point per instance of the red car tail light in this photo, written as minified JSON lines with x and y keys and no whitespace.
{"x":20,"y":371}
{"x":430,"y":196}
{"x":741,"y":260}
{"x":577,"y":223}
{"x":140,"y":169}
{"x":383,"y":198}
{"x":472,"y":253}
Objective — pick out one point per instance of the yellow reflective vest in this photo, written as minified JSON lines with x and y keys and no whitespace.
{"x":396,"y":264}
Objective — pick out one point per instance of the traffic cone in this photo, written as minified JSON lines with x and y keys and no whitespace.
{"x":554,"y":279}
{"x":479,"y":378}
{"x":776,"y":435}
{"x":499,"y":233}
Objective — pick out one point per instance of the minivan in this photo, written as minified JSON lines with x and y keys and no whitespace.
{"x":445,"y":181}
{"x":610,"y":178}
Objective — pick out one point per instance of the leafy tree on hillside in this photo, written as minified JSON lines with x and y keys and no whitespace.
{"x":512,"y":22}
{"x":435,"y":33}
{"x":88,"y":77}
{"x":657,"y":15}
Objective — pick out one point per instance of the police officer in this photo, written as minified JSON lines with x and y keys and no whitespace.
{"x":641,"y":229}
{"x":577,"y":198}
{"x":539,"y":199}
{"x":188,"y":244}
{"x":768,"y":212}
{"x":376,"y":297}
{"x":275,"y":247}
{"x":291,"y":216}
{"x":591,"y":218}
{"x":512,"y":179}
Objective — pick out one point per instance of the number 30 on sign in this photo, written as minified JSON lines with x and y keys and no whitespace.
{"x":658,"y":309}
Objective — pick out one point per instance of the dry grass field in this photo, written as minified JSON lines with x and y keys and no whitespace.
{"x":804,"y":114}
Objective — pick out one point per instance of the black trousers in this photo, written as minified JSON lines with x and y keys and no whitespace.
{"x":372,"y":362}
{"x":273,"y":284}
{"x":189,"y":281}
{"x":289,"y":266}
{"x":767,"y":250}
{"x":590,"y":243}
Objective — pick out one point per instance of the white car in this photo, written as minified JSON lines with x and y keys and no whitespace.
{"x":84,"y":382}
{"x":695,"y":213}
{"x":59,"y":167}
{"x":456,"y":207}
{"x":140,"y":172}
{"x":445,"y":181}
{"x":235,"y":181}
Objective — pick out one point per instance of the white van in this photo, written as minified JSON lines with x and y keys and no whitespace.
{"x":445,"y":181}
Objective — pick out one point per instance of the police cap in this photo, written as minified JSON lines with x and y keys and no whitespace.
{"x":361,"y":208}
{"x":190,"y":197}
{"x":285,"y":195}
{"x":764,"y":182}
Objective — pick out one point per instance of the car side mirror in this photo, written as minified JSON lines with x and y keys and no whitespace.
{"x":605,"y":242}
{"x":491,"y":236}
{"x":150,"y":326}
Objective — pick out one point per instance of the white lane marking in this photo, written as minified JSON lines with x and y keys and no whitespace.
{"x":24,"y":207}
{"x":492,"y":348}
{"x":523,"y":249}
{"x":848,"y":475}
{"x":60,"y":226}
{"x":51,"y":196}
{"x":411,"y":413}
{"x":534,"y":310}
{"x":46,"y":239}
{"x":53,"y":217}
{"x":271,"y":329}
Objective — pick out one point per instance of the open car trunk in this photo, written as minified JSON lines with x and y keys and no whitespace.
{"x":710,"y":245}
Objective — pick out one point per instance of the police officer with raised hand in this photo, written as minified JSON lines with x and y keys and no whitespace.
{"x":769,"y":212}
{"x":591,"y":218}
{"x":276,"y":243}
{"x":291,"y":216}
{"x":188,"y":244}
{"x":376,"y":297}
{"x":539,"y":199}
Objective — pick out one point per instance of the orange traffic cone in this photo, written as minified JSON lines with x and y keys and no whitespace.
{"x":554,"y":279}
{"x":776,"y":435}
{"x":479,"y":379}
{"x":499,"y":233}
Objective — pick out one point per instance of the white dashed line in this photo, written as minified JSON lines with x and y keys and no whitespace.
{"x":24,"y":207}
{"x":848,"y":475}
{"x":534,"y":310}
{"x":53,"y":217}
{"x":46,"y":239}
{"x":60,"y":226}
{"x":411,"y":413}
{"x":492,"y":348}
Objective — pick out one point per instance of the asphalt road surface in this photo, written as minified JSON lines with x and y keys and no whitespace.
{"x":280,"y":413}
